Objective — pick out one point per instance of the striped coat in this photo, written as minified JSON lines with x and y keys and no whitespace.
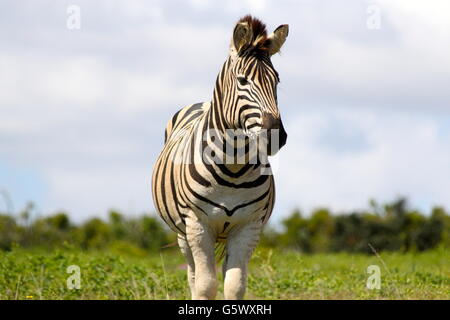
{"x":202,"y":194}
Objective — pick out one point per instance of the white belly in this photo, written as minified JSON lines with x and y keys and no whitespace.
{"x":238,"y":212}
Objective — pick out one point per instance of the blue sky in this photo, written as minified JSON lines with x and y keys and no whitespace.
{"x":82,"y":112}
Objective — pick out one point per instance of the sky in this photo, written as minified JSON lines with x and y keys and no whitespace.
{"x":364,"y":97}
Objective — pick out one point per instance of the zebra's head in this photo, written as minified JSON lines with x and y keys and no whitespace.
{"x":252,"y":104}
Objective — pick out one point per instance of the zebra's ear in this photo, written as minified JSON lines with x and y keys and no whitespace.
{"x":278,"y":37}
{"x":242,"y":36}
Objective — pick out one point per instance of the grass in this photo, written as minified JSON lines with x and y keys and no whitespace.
{"x":39,"y":274}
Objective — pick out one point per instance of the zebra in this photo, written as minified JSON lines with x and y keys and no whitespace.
{"x":211,"y":204}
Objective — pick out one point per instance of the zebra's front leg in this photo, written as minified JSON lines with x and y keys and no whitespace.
{"x":182,"y":242}
{"x":201,"y":241}
{"x":240,"y":246}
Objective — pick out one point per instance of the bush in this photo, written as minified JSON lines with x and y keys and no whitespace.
{"x":392,"y":227}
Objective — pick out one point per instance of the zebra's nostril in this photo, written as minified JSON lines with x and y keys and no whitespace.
{"x":270,"y":122}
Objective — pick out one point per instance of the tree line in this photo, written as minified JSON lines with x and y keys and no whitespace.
{"x":391,"y":227}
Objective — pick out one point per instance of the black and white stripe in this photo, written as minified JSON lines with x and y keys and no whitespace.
{"x":187,"y":186}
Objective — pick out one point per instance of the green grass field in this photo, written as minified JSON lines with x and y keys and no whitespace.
{"x":35,"y":274}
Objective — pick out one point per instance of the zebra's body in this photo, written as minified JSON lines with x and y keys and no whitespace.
{"x":231,"y":200}
{"x":204,"y":200}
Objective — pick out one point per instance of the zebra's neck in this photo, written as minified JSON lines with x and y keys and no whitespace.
{"x":216,"y":117}
{"x":216,"y":129}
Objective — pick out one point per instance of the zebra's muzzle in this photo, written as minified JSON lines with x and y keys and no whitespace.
{"x":276,"y":134}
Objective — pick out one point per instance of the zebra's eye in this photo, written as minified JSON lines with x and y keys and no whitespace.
{"x":242,"y":80}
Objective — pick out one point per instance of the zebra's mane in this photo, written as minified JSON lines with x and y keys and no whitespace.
{"x":260,"y":42}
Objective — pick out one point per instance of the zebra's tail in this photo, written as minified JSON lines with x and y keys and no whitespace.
{"x":220,"y":250}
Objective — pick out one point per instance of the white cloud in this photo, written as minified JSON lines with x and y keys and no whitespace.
{"x":84,"y":81}
{"x":86,"y":109}
{"x":416,"y":15}
{"x":406,"y":155}
{"x":89,"y":192}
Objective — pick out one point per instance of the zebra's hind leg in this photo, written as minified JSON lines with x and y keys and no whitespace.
{"x":201,"y":241}
{"x":182,"y":242}
{"x":240,"y":246}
